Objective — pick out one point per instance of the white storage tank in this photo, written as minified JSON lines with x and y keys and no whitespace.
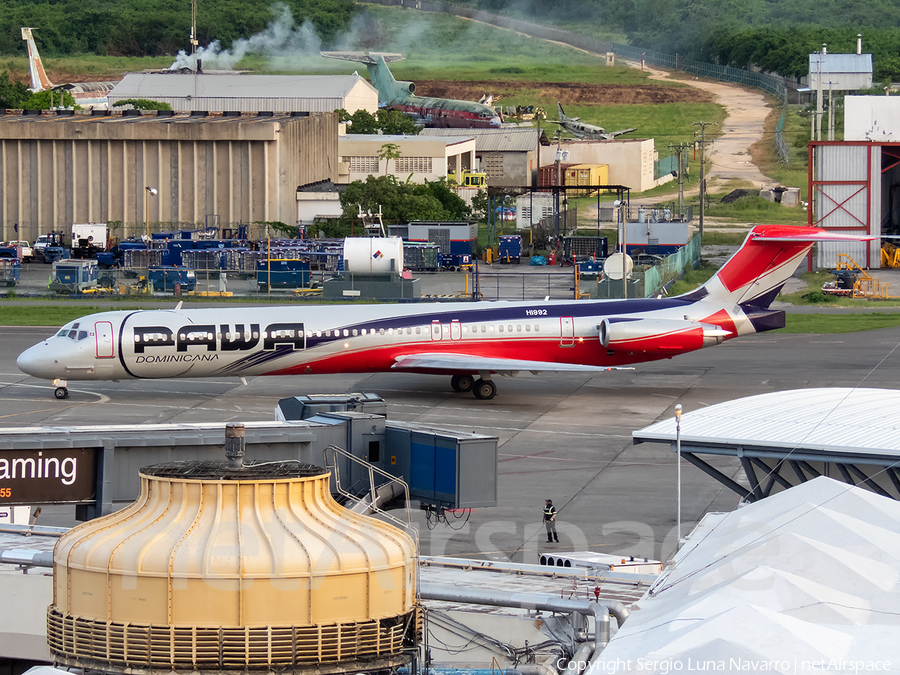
{"x":373,"y":255}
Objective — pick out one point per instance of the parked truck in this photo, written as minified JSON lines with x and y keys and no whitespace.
{"x":50,"y":240}
{"x":88,"y":239}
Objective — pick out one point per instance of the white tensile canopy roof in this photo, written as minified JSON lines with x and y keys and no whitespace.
{"x":807,"y":579}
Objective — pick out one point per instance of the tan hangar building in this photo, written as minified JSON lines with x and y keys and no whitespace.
{"x":59,"y":168}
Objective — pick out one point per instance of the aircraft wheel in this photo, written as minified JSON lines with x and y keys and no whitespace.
{"x":61,"y":393}
{"x":484,"y":390}
{"x":462,"y":383}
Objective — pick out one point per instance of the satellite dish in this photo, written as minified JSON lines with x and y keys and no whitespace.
{"x":614,"y":264}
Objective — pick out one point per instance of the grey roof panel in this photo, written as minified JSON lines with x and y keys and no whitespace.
{"x":154,"y":85}
{"x":841,"y":63}
{"x":493,"y":140}
{"x":830,"y":420}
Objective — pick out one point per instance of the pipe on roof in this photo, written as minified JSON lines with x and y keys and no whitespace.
{"x":599,"y":609}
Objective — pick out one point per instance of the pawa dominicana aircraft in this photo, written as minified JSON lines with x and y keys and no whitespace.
{"x":464,"y":340}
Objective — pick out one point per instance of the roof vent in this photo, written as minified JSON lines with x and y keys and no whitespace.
{"x":234,"y":566}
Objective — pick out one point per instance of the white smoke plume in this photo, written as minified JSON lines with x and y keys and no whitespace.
{"x":279,"y":39}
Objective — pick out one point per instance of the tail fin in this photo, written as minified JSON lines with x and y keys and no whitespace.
{"x":562,"y":113}
{"x":39,"y":79}
{"x":380,"y":75}
{"x":754,"y":275}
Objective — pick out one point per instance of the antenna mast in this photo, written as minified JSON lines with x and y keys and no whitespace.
{"x":194,"y":33}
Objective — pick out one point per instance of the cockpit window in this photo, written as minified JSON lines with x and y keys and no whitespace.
{"x":63,"y":332}
{"x":82,"y":334}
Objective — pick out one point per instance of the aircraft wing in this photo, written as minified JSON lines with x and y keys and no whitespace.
{"x":462,"y":363}
{"x":621,"y":131}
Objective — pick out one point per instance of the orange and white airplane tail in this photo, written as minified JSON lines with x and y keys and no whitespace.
{"x":39,"y":79}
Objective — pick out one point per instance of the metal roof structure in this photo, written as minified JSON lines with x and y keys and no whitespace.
{"x":808,"y":576}
{"x":496,"y":140}
{"x":840,"y":63}
{"x":788,"y":437}
{"x":313,"y":93}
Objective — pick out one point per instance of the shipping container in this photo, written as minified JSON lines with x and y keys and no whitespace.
{"x":586,"y":174}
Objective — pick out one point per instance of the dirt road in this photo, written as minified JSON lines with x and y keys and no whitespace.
{"x":746,"y":112}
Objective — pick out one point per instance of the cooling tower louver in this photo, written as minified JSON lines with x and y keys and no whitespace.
{"x":215,"y":568}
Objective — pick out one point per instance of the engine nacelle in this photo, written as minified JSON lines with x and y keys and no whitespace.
{"x":408,"y":86}
{"x":658,"y":335}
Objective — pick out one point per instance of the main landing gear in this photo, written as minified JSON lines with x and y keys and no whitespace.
{"x":61,"y":391}
{"x":483,"y":388}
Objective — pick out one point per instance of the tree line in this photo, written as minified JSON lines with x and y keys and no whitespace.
{"x":774,"y":36}
{"x":153,"y":27}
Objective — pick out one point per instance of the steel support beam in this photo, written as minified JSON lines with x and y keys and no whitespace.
{"x":718,"y":475}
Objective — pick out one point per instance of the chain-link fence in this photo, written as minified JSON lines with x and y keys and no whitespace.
{"x":670,"y":268}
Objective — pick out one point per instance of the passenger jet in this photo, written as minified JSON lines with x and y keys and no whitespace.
{"x":471,"y":342}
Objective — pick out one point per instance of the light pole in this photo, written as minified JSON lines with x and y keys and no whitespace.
{"x":148,"y":192}
{"x":678,"y":453}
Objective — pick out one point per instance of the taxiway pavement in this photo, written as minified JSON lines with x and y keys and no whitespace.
{"x":566,"y":437}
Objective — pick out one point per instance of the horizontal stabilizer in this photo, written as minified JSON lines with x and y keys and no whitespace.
{"x":461,"y":363}
{"x":369,"y":58}
{"x":817,"y":236}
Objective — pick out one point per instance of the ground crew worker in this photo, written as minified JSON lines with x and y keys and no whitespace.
{"x":550,"y":521}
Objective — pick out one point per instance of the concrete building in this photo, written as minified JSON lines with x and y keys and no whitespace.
{"x":250,"y":93}
{"x":62,"y":168}
{"x":630,"y":160}
{"x":317,"y":201}
{"x":510,"y":157}
{"x":421,"y":157}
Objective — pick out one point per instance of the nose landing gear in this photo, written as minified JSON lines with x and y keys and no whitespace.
{"x":61,"y":391}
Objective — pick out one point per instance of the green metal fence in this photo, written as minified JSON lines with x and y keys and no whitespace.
{"x":664,"y":166}
{"x":671,"y":268}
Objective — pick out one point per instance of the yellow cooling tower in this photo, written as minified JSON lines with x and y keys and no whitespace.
{"x":216,"y":568}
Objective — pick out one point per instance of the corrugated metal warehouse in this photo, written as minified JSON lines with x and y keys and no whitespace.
{"x":62,"y":168}
{"x":250,"y":93}
{"x":852,"y":187}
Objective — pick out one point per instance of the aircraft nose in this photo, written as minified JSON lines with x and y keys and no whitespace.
{"x":36,"y":362}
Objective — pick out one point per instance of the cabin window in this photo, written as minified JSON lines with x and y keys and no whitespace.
{"x":418,"y":330}
{"x":527,"y":327}
{"x":509,"y":328}
{"x":501,"y":329}
{"x":519,"y":328}
{"x":381,"y":331}
{"x":346,"y":333}
{"x":327,"y":333}
{"x":390,"y":331}
{"x":355,"y":332}
{"x":363,"y":331}
{"x":493,"y":329}
{"x":536,"y":328}
{"x":465,"y":329}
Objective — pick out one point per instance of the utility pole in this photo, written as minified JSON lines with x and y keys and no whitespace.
{"x":679,"y":152}
{"x":703,"y":143}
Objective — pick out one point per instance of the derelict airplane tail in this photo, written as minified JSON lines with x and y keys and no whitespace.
{"x":39,"y":79}
{"x":380,"y":75}
{"x":755,"y":274}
